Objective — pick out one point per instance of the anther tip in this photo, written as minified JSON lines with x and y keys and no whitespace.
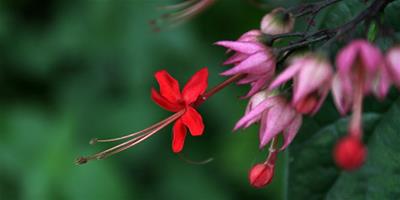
{"x":81,"y":160}
{"x":93,"y":141}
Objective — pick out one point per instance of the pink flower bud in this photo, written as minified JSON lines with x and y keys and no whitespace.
{"x":278,"y":21}
{"x":261,"y":175}
{"x":312,"y":77}
{"x":350,"y":153}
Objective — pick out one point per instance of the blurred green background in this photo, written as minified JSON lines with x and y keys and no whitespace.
{"x":74,"y":70}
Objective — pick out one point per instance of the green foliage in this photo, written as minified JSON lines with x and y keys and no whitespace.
{"x":312,"y":173}
{"x":74,"y":70}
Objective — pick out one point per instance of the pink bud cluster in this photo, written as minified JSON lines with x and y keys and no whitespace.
{"x":361,"y":69}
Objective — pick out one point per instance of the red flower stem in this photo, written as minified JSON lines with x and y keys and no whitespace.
{"x":217,"y":88}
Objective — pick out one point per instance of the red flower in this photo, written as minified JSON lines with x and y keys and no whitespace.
{"x":170,"y":98}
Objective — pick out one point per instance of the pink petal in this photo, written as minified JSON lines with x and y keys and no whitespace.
{"x":237,"y":57}
{"x":256,"y":87}
{"x":291,"y":131}
{"x":260,"y":62}
{"x":256,"y":112}
{"x":393,"y":61}
{"x":287,"y":74}
{"x":249,"y":78}
{"x":249,"y":36}
{"x":323,"y":93}
{"x":279,"y":117}
{"x":312,"y":76}
{"x":260,"y":84}
{"x":242,"y":47}
{"x":371,"y":57}
{"x":342,"y":101}
{"x":382,"y":82}
{"x":346,"y":58}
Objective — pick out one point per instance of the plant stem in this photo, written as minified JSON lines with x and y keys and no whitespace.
{"x":312,"y":8}
{"x":332,"y":34}
{"x":217,"y":88}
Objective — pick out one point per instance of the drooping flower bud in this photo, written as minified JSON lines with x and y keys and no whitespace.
{"x":357,"y":66}
{"x":312,"y":76}
{"x":261,"y":175}
{"x":278,"y":21}
{"x":350,"y":153}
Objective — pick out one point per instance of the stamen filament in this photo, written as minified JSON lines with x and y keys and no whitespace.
{"x":132,"y":142}
{"x":177,"y":6}
{"x":95,"y":140}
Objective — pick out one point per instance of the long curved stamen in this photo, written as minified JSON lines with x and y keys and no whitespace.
{"x":132,"y":142}
{"x":184,"y":11}
{"x":150,"y":128}
{"x":178,"y":6}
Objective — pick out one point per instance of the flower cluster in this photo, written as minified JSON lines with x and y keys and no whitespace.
{"x":361,"y":69}
{"x":281,"y":93}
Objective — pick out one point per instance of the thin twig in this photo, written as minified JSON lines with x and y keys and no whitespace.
{"x":334,"y":33}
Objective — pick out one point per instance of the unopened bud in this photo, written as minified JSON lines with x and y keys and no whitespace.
{"x":261,"y":175}
{"x":278,"y":21}
{"x":350,"y":153}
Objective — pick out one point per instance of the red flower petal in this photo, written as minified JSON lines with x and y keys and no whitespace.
{"x":161,"y":101}
{"x":169,"y":87}
{"x":196,"y":86}
{"x":178,"y":138}
{"x":193,"y":120}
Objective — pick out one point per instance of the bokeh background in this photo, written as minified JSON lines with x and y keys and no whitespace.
{"x":79,"y":69}
{"x":74,"y":70}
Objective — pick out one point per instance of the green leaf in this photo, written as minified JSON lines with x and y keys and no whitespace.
{"x":372,"y":32}
{"x":312,"y":173}
{"x":392,"y":15}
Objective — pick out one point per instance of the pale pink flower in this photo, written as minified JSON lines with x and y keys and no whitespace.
{"x":278,"y":21}
{"x":382,"y":81}
{"x":251,"y":58}
{"x":357,"y":66}
{"x":393,"y":64}
{"x":312,"y":78}
{"x":275,"y":115}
